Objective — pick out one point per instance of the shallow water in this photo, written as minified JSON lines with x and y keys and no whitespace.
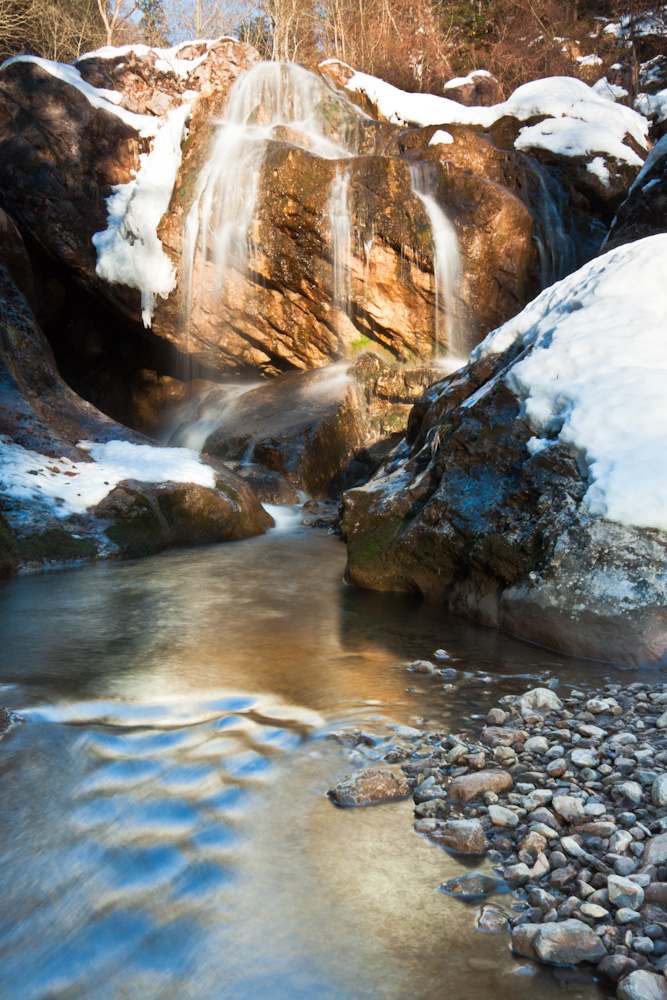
{"x":164,"y":828}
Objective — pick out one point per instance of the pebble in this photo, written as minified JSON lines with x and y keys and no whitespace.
{"x":500,"y":816}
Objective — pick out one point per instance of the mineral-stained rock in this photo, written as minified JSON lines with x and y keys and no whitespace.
{"x":642,"y":985}
{"x":567,"y":942}
{"x":369,"y":787}
{"x":464,"y":836}
{"x":469,"y":786}
{"x":493,"y":920}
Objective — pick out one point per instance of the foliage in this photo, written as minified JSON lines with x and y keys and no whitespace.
{"x":153,"y":24}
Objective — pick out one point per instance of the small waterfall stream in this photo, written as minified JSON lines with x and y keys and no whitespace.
{"x":287,"y":102}
{"x":547,"y":199}
{"x":446,"y":262}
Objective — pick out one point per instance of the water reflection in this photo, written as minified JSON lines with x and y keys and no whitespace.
{"x":163,"y":826}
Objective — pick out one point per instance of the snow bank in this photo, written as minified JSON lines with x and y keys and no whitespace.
{"x":595,"y":377}
{"x":461,"y":81}
{"x":129,"y":251}
{"x":68,"y":487}
{"x":590,"y":122}
{"x":106,"y":100}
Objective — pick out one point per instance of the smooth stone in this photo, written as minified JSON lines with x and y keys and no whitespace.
{"x":557,"y":767}
{"x":566,"y":942}
{"x":581,"y":757}
{"x":655,"y":851}
{"x":613,"y":968}
{"x":369,"y":787}
{"x":422,"y":667}
{"x":659,"y":791}
{"x":538,"y":701}
{"x":500,"y":816}
{"x":625,"y":916}
{"x":496,"y":717}
{"x":620,"y":842}
{"x":623,"y":892}
{"x":594,"y":911}
{"x":568,"y":807}
{"x":469,"y":786}
{"x":536,"y":744}
{"x":656,"y":892}
{"x":629,"y":792}
{"x":571,"y":847}
{"x":464,"y":836}
{"x":642,"y":985}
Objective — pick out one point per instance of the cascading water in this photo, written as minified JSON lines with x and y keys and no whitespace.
{"x":548,"y":201}
{"x":339,"y":219}
{"x":446,"y":263}
{"x":286,"y":102}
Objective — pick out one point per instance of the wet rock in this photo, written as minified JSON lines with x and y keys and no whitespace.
{"x":470,"y":786}
{"x":369,"y":787}
{"x":613,"y":968}
{"x":642,"y":985}
{"x":564,"y":943}
{"x":493,"y":920}
{"x":474,"y":885}
{"x":460,"y":835}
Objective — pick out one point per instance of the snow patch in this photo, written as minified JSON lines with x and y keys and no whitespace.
{"x":595,"y":377}
{"x":441,"y":137}
{"x":67,"y":487}
{"x":129,"y":251}
{"x":598,"y":168}
{"x":588,"y":122}
{"x":461,"y":81}
{"x":591,"y":60}
{"x":653,"y":105}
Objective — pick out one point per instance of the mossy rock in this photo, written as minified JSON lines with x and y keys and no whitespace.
{"x":137,"y":527}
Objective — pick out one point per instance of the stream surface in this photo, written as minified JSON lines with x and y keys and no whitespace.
{"x":164,"y":827}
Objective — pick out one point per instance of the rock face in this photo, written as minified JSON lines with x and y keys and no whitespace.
{"x":42,"y":423}
{"x":320,"y":429}
{"x":477,"y":517}
{"x":61,"y":155}
{"x":369,"y":787}
{"x":644,"y":211}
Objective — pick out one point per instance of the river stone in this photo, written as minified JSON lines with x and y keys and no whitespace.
{"x":473,"y":885}
{"x":623,"y":892}
{"x":464,"y":836}
{"x":502,"y":736}
{"x":500,"y":816}
{"x":642,"y":985}
{"x":656,"y":892}
{"x":568,"y":942}
{"x":568,"y":808}
{"x":614,"y":968}
{"x":469,"y":786}
{"x":496,"y":717}
{"x":493,"y":919}
{"x":655,"y":851}
{"x":539,"y":701}
{"x":584,"y":758}
{"x":659,"y":791}
{"x":369,"y":787}
{"x":627,"y":793}
{"x":536,"y":744}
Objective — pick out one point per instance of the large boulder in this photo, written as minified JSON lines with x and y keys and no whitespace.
{"x":531,"y":492}
{"x":75,"y":485}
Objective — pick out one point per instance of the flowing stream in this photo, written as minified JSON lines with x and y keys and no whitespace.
{"x":164,"y":825}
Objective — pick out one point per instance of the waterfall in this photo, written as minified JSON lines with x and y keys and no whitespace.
{"x":339,"y":219}
{"x":549,"y":204}
{"x":286,"y":101}
{"x":446,"y":263}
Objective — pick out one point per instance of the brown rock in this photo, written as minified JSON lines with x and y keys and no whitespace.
{"x":469,"y":786}
{"x":463,"y":836}
{"x":369,"y":787}
{"x":502,"y":736}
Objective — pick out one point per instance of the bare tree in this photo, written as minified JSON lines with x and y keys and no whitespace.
{"x":114,"y":15}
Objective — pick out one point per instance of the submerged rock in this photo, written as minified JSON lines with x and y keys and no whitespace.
{"x":474,"y":885}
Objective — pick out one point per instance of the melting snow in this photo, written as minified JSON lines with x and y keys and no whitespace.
{"x":595,"y":378}
{"x":68,"y":487}
{"x":129,"y":251}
